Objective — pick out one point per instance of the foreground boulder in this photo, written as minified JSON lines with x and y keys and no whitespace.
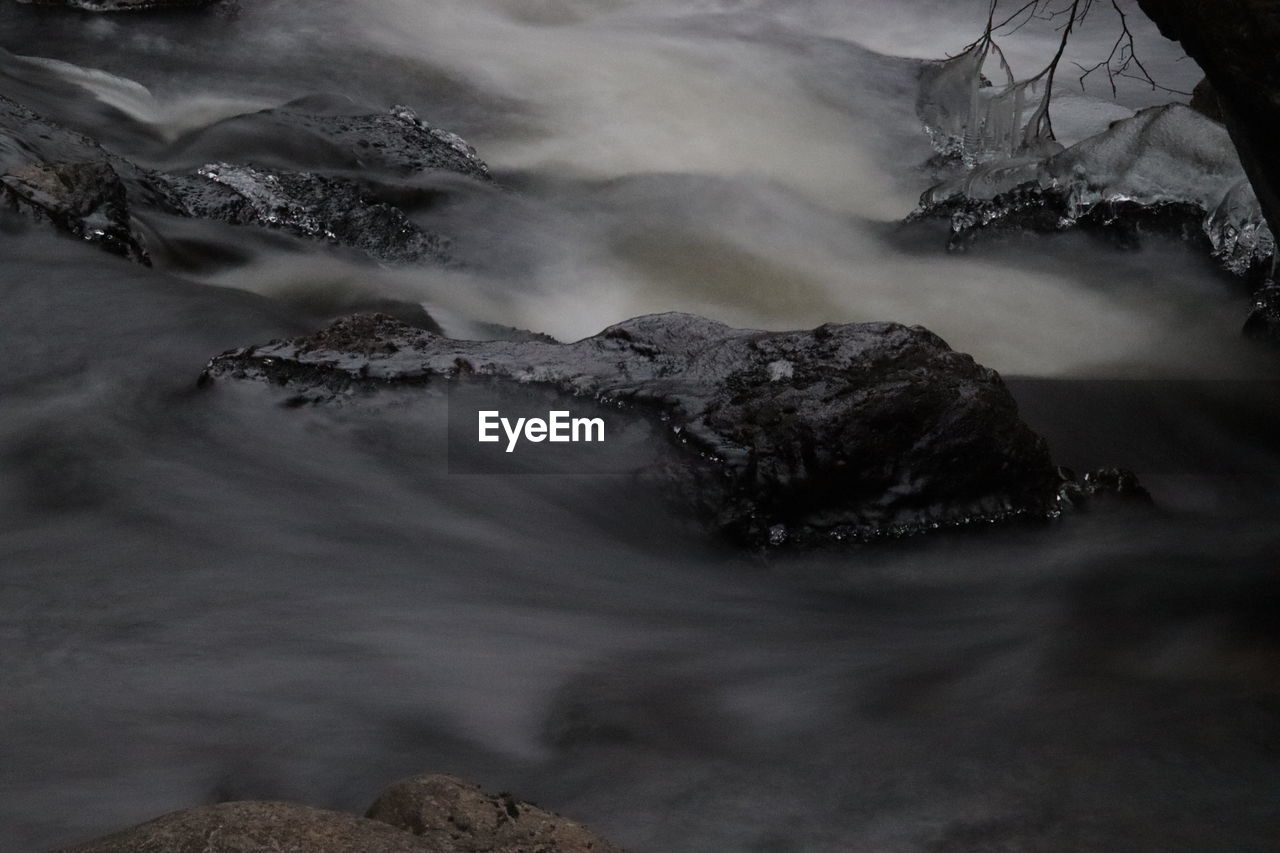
{"x":256,"y":827}
{"x":455,"y":817}
{"x":856,"y":431}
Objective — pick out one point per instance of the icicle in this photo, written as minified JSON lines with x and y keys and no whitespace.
{"x":1238,"y":231}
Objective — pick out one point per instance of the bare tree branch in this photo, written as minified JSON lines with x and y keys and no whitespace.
{"x":1123,"y":61}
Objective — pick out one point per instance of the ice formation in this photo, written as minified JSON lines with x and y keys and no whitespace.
{"x":970,"y":119}
{"x":1167,"y":158}
{"x":1239,"y":234}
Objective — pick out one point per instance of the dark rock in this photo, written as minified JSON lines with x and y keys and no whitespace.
{"x":1263,"y":323}
{"x":86,"y":200}
{"x":1205,"y":101}
{"x":307,"y":204}
{"x":452,"y":816}
{"x":326,"y":134}
{"x":844,"y":432}
{"x":58,"y":176}
{"x":495,"y":332}
{"x":1235,"y":42}
{"x":409,"y":313}
{"x":1105,"y":483}
{"x":1031,"y":207}
{"x":256,"y":827}
{"x":68,"y":179}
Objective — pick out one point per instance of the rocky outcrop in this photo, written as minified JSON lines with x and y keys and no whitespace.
{"x":455,"y":817}
{"x":65,"y":178}
{"x":1031,"y":207}
{"x":844,"y":432}
{"x":1235,"y":42}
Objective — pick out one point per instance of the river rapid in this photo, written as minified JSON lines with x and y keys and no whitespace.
{"x":206,"y":595}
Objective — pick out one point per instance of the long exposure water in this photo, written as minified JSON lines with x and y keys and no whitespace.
{"x":206,"y":595}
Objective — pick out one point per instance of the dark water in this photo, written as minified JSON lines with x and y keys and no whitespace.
{"x":210,"y":596}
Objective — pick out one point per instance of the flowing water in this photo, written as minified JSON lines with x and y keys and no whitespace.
{"x":206,"y":595}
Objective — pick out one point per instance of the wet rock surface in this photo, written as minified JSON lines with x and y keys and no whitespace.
{"x":1079,"y":492}
{"x":845,"y":432}
{"x":333,"y":135}
{"x":455,"y":817}
{"x":308,"y":205}
{"x":1033,"y":208}
{"x":86,"y":200}
{"x":65,"y":178}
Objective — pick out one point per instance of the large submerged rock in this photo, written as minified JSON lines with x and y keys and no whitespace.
{"x":65,"y":178}
{"x":856,"y":431}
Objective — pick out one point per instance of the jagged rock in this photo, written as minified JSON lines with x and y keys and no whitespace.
{"x":66,"y":178}
{"x":256,"y":827}
{"x":452,"y":816}
{"x":329,"y":136}
{"x":1078,"y":492}
{"x":1033,"y":208}
{"x":307,"y":204}
{"x":86,"y":200}
{"x":853,"y":431}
